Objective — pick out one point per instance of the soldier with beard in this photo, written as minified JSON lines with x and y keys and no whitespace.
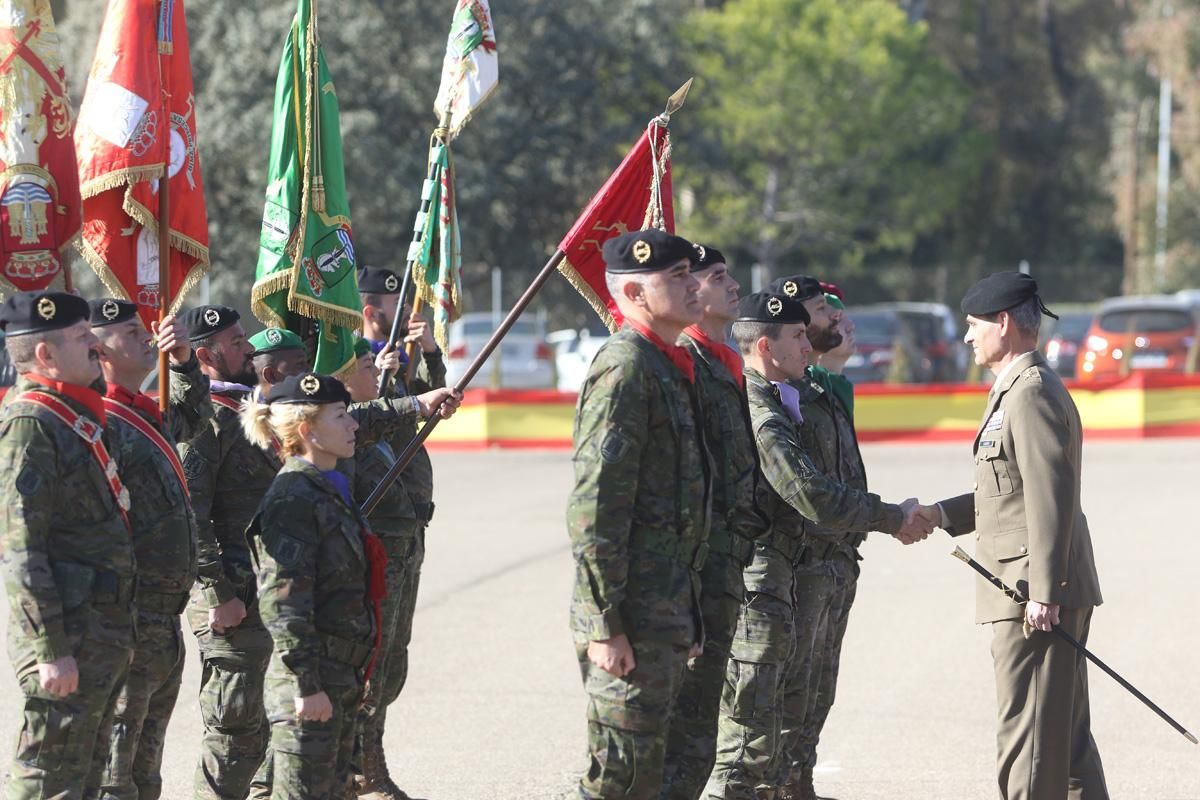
{"x":164,"y":533}
{"x":228,"y":476}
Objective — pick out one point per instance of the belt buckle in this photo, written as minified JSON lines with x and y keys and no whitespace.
{"x":87,"y":430}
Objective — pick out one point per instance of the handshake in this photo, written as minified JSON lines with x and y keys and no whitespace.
{"x":919,"y":521}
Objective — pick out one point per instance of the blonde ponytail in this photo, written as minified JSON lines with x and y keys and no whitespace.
{"x":265,"y":425}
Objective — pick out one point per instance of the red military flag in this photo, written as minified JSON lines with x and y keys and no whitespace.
{"x":39,"y":182}
{"x":138,"y":116}
{"x":635,"y":197}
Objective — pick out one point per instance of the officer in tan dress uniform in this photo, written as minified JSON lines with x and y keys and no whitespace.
{"x":1032,"y":534}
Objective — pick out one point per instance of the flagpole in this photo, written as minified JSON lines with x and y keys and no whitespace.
{"x":410,"y":451}
{"x":411,"y":347}
{"x":164,"y":283}
{"x":439,"y":134}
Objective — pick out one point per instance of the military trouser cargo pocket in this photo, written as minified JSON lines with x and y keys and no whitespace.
{"x":45,"y":733}
{"x":751,"y":690}
{"x":764,"y":630}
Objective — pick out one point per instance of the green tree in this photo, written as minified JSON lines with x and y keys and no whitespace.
{"x":830,"y":132}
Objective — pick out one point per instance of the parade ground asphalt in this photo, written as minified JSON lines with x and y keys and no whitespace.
{"x":494,"y":709}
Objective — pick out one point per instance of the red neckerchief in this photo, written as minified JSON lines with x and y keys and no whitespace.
{"x":137,"y":400}
{"x":679,"y":356}
{"x":376,"y":587}
{"x":721,"y":352}
{"x":89,"y":398}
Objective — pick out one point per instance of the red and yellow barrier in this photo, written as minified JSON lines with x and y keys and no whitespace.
{"x":1142,"y":405}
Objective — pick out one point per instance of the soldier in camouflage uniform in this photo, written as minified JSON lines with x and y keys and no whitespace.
{"x":736,"y":521}
{"x":320,"y":584}
{"x":227,"y":477}
{"x":638,"y":516}
{"x":397,"y":520}
{"x":68,"y":560}
{"x":771,"y":333}
{"x":164,"y":535}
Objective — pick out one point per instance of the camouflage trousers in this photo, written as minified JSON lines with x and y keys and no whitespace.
{"x":144,"y":707}
{"x":628,"y":720}
{"x":692,"y":740}
{"x":311,"y":760}
{"x":405,"y":553}
{"x":816,"y":586}
{"x":233,"y":753}
{"x":828,"y":648}
{"x":748,"y":731}
{"x":64,"y":740}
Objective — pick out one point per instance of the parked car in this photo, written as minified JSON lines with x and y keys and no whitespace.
{"x":525,"y":359}
{"x":1148,"y":332}
{"x":935,"y":327}
{"x":573,"y":354}
{"x":1064,"y":338}
{"x":887,"y":349}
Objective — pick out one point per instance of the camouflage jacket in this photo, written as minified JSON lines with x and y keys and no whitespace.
{"x":68,"y":558}
{"x":418,"y":475}
{"x":638,"y":516}
{"x":800,"y":496}
{"x":164,"y":527}
{"x":312,"y":579}
{"x":730,"y":441}
{"x":829,"y":439}
{"x":228,"y":476}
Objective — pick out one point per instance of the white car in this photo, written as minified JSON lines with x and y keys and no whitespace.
{"x":573,"y":354}
{"x":522,"y":361}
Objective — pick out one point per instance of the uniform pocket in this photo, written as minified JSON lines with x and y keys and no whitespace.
{"x":1012,"y":545}
{"x":45,"y":733}
{"x":751,"y":689}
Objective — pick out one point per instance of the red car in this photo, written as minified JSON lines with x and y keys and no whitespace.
{"x":1139,"y":333}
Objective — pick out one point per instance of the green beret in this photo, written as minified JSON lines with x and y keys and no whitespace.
{"x":271,"y":340}
{"x":361,"y":347}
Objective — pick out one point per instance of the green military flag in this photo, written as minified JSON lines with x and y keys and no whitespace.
{"x":469,"y":76}
{"x":306,"y":263}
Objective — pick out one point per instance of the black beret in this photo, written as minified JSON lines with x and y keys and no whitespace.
{"x":647,"y":251}
{"x":204,"y":321}
{"x":36,"y":312}
{"x":800,"y":287}
{"x":309,"y":388}
{"x":377,"y":280}
{"x":1001,"y":291}
{"x":774,"y":308}
{"x":708,"y":256}
{"x":110,"y":311}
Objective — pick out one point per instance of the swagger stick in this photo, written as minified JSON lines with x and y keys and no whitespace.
{"x":406,"y":455}
{"x":164,"y":284}
{"x":1019,"y":598}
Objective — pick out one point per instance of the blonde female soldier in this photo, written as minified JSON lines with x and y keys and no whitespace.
{"x":320,"y":582}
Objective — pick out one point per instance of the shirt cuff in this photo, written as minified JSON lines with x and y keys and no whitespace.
{"x":51,"y":647}
{"x":605,"y":625}
{"x":945,"y":518}
{"x":219,"y":592}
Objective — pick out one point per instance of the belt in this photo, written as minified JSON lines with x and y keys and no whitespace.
{"x":347,"y":651}
{"x":733,"y":544}
{"x":790,"y":546}
{"x":171,"y":603}
{"x":424,"y":511}
{"x":673,"y":546}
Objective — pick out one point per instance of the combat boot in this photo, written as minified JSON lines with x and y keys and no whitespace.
{"x":797,"y":790}
{"x":375,"y":783}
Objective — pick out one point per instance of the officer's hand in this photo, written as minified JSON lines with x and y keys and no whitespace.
{"x":315,"y":707}
{"x":60,"y":677}
{"x":1041,"y":616}
{"x":917,"y":525}
{"x":429,"y":401}
{"x":227,"y":615}
{"x":697,"y":650}
{"x":614,"y":656}
{"x":177,"y":348}
{"x":388,"y":359}
{"x":420,"y":331}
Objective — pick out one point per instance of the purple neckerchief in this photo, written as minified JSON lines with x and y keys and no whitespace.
{"x":339,"y":481}
{"x":226,"y":386}
{"x":790,"y":397}
{"x":377,"y":348}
